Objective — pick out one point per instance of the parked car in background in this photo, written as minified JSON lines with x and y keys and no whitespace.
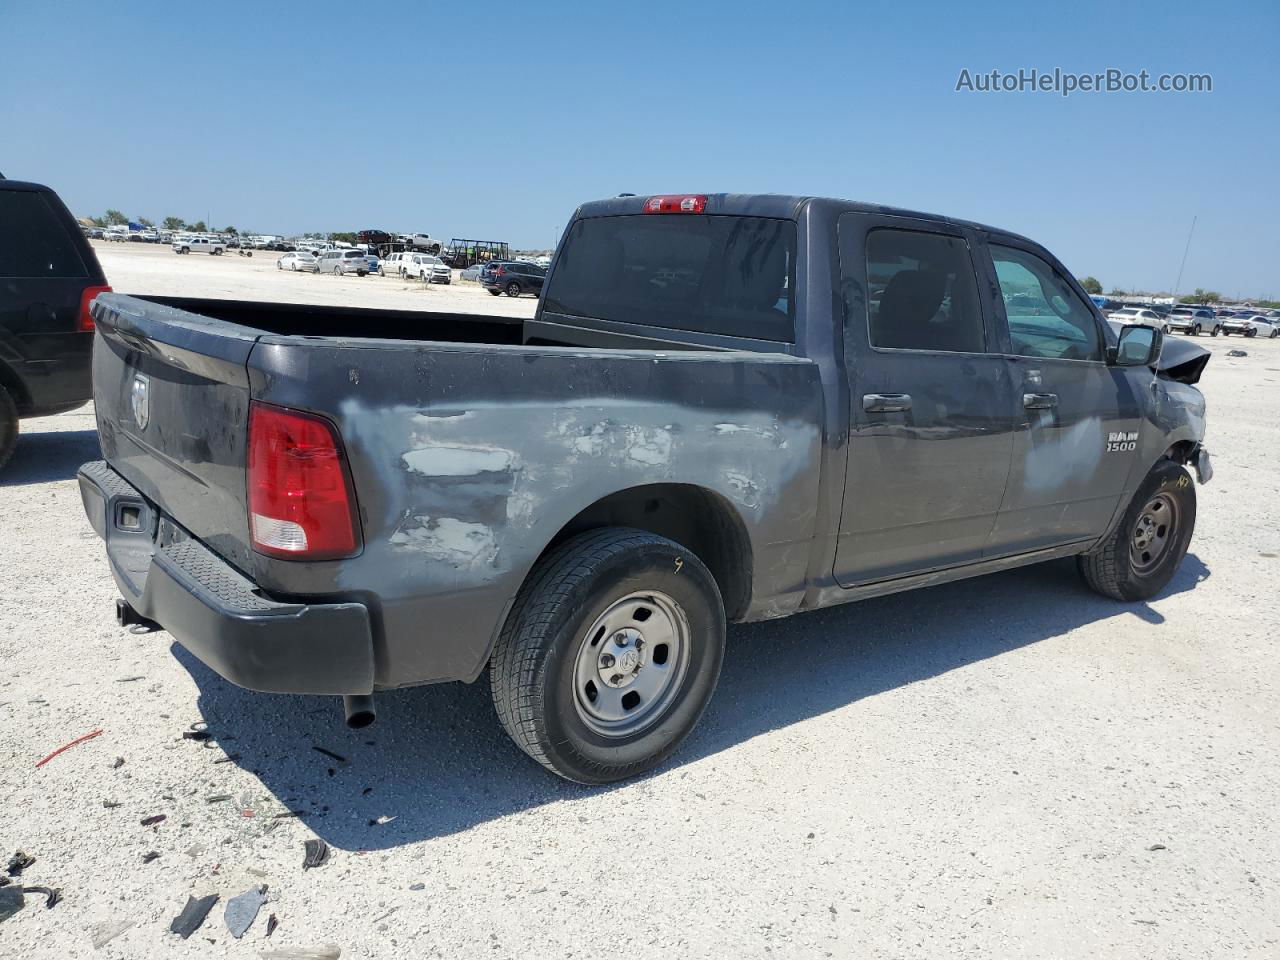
{"x":49,"y":275}
{"x":421,"y":241}
{"x":1140,"y":315}
{"x":1193,"y":320}
{"x":424,"y":266}
{"x":300,"y":260}
{"x":199,"y":245}
{"x":472,"y":272}
{"x":373,"y":237}
{"x":1248,"y":324}
{"x":513,"y":277}
{"x":375,"y":265}
{"x":394,"y":264}
{"x":342,"y":262}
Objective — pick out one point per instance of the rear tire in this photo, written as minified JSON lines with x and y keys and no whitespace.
{"x":613,"y":591}
{"x":496,"y":293}
{"x":1139,"y":558}
{"x":8,"y":426}
{"x":513,"y":289}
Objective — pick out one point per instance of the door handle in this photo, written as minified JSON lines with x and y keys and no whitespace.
{"x":886,"y":402}
{"x":1040,"y":401}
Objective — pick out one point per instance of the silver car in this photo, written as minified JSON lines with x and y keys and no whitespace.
{"x":299,"y":260}
{"x":342,"y":262}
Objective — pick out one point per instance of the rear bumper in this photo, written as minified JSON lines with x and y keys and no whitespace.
{"x":216,"y":612}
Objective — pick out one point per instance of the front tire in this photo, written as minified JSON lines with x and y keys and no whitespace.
{"x":8,"y":426}
{"x":1139,"y":558}
{"x":610,"y":654}
{"x":1197,"y":330}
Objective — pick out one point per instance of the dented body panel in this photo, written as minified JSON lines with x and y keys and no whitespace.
{"x":474,"y":444}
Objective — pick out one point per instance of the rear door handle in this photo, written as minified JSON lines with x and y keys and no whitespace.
{"x":1040,"y":401}
{"x":886,"y":402}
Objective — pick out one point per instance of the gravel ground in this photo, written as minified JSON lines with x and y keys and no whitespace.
{"x":1008,"y":767}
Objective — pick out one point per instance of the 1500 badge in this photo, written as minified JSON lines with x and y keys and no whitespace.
{"x":1122,"y":442}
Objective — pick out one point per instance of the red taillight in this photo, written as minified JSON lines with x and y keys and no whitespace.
{"x":301,"y":506}
{"x":85,"y":323}
{"x":497,"y":272}
{"x":694,"y":203}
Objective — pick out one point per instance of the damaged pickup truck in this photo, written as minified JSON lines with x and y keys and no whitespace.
{"x":726,"y":408}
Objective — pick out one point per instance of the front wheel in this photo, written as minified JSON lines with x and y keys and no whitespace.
{"x":1140,"y":556}
{"x":1251,"y":332}
{"x":1197,"y":330}
{"x":610,"y":654}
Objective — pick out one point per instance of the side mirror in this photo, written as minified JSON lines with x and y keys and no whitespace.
{"x":1139,"y":346}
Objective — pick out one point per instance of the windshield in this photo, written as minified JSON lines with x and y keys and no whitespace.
{"x":724,"y":275}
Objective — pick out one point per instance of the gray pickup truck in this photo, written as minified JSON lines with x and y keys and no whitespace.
{"x":726,"y":408}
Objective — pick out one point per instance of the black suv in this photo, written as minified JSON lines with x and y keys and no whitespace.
{"x":48,"y":277}
{"x":513,"y":277}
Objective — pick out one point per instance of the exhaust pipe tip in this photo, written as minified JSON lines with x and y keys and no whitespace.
{"x":359,"y":710}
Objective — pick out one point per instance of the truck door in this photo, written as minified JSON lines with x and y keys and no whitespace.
{"x":1078,"y":417}
{"x":931,"y":427}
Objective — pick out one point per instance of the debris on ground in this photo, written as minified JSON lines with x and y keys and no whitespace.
{"x":326,"y":951}
{"x":188,"y":921}
{"x":317,"y":854}
{"x":67,"y":746}
{"x":129,"y":679}
{"x":52,"y":895}
{"x":149,"y":856}
{"x":111,"y":804}
{"x":1237,"y":353}
{"x":243,"y":909}
{"x":198,"y":731}
{"x":118,"y":764}
{"x":417,"y":886}
{"x":330,"y":754}
{"x":1157,"y":846}
{"x":380,"y":821}
{"x":272,"y":923}
{"x":229,"y":758}
{"x":217,"y":798}
{"x":19,"y":862}
{"x":103,"y":933}
{"x":152,"y":821}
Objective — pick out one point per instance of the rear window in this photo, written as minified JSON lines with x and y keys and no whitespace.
{"x":353,"y":254}
{"x":731,"y":276}
{"x":33,"y":240}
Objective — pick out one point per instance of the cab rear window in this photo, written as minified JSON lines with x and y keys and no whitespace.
{"x":731,"y":276}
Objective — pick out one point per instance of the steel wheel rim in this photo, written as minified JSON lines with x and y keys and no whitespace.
{"x":1153,"y":533}
{"x":631,"y":663}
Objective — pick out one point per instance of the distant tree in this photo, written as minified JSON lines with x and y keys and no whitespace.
{"x":174,"y":223}
{"x":230,"y":230}
{"x":199,"y":227}
{"x":115,"y":218}
{"x":99,"y":221}
{"x":146,"y":223}
{"x":344,"y":237}
{"x":1202,"y":296}
{"x":1116,"y":292}
{"x":1091,"y":285}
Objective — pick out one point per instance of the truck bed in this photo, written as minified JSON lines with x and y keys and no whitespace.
{"x":469,"y":453}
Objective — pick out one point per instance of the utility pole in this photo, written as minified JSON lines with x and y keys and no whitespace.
{"x":1184,"y":258}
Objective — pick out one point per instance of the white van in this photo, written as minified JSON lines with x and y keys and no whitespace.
{"x":341,"y":262}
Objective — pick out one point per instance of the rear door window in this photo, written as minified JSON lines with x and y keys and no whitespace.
{"x":725,"y":275}
{"x":924,"y":295}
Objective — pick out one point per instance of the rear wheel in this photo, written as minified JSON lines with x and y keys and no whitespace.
{"x":1251,"y":332}
{"x":609,"y":655}
{"x":8,"y":426}
{"x":513,"y":289}
{"x":496,"y":293}
{"x":1139,"y":558}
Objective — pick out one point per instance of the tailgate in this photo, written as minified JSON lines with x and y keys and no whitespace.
{"x":172,"y":399}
